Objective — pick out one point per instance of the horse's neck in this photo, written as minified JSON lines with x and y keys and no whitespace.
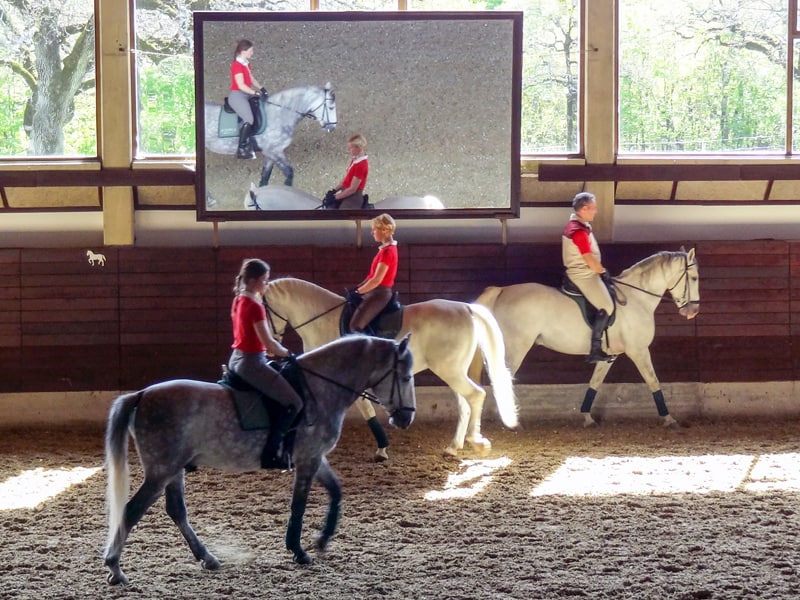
{"x":298,"y":100}
{"x":651,"y":274}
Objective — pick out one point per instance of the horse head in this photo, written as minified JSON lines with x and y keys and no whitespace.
{"x":687,"y":296}
{"x":395,"y":386}
{"x":325,"y":113}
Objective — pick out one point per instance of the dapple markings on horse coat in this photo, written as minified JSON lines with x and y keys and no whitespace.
{"x":285,"y":109}
{"x":531,"y":313}
{"x":445,"y":336}
{"x":182,"y":422}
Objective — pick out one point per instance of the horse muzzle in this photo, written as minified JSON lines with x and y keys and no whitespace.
{"x":690,"y":310}
{"x":402,"y":418}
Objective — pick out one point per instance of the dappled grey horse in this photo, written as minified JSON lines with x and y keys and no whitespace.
{"x":184,"y":423}
{"x":284,"y":110}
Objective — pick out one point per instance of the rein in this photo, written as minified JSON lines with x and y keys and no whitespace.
{"x":683,"y":277}
{"x":271,"y":311}
{"x":309,"y":114}
{"x":365,"y":394}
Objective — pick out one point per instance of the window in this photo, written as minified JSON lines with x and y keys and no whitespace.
{"x":47,"y":80}
{"x":165,"y":69}
{"x":702,"y":76}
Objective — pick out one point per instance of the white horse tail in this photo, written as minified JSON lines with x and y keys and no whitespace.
{"x":117,"y":469}
{"x":489,"y":296}
{"x":490,"y":342}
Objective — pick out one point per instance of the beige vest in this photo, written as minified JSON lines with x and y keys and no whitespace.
{"x":573,"y":261}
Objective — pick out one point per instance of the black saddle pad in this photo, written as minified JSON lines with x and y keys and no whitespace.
{"x":386,"y":324}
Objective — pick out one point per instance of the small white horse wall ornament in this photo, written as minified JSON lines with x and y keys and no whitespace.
{"x":284,"y":110}
{"x":96,"y":259}
{"x":531,"y":313}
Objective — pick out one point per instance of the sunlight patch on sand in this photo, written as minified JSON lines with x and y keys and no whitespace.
{"x":31,"y":488}
{"x":583,"y":476}
{"x":471,"y":477}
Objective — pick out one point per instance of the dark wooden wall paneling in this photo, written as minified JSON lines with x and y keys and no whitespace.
{"x":157,"y":313}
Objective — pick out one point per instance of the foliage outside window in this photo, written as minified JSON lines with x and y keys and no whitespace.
{"x":47,"y":79}
{"x":165,"y":69}
{"x":702,"y":76}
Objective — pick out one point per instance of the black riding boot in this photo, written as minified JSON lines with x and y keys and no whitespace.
{"x":245,"y":151}
{"x":254,"y":144}
{"x":274,"y":455}
{"x":596,"y":353}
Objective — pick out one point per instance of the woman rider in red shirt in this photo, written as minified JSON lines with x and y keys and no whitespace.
{"x":252,"y":341}
{"x":377,"y":287}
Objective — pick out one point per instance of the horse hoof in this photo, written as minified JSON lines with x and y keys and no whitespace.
{"x":116,"y":579}
{"x":450,"y":453}
{"x":210,"y":563}
{"x":302,"y":558}
{"x":590,"y":424}
{"x":322,"y":542}
{"x":381,"y":455}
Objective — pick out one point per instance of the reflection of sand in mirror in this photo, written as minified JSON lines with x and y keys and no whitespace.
{"x":281,"y":197}
{"x":432,"y":97}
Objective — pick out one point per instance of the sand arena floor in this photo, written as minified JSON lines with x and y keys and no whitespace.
{"x":628,"y":510}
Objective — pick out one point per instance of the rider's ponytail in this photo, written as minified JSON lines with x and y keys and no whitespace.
{"x":252,"y":268}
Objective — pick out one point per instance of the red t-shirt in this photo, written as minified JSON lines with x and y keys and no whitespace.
{"x":236,"y":68}
{"x":579,"y":234}
{"x":246,"y":312}
{"x":388,"y":256}
{"x":359,"y":167}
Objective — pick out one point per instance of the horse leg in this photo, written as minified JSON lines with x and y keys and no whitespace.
{"x":470,"y":407}
{"x":176,"y":509}
{"x":644,"y":364}
{"x":368,"y":412}
{"x":266,"y":172}
{"x":598,"y":376}
{"x":286,"y":169}
{"x":303,"y":477}
{"x":135,"y":509}
{"x":327,"y":477}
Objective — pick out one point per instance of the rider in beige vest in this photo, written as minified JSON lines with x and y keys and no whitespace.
{"x":581,"y":256}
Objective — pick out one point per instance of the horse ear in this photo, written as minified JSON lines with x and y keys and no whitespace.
{"x":690,"y":257}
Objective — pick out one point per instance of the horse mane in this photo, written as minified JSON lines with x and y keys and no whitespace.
{"x":646,"y":264}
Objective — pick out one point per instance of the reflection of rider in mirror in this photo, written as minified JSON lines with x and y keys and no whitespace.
{"x":377,"y":287}
{"x":244,"y":89}
{"x":581,"y":256}
{"x":351,"y":189}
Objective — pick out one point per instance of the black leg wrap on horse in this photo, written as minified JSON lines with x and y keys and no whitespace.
{"x":588,"y":400}
{"x":661,"y":405}
{"x":377,"y":430}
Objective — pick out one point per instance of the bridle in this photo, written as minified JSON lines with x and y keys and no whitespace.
{"x":394,"y":371}
{"x":685,"y":299}
{"x":309,"y":114}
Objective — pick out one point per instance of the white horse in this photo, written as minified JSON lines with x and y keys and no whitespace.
{"x":445,"y":335}
{"x":284,"y":110}
{"x":531,"y":313}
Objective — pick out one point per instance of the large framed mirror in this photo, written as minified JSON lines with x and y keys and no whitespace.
{"x":435,"y":95}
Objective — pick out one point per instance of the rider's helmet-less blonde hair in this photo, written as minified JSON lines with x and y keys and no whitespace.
{"x":359,"y":141}
{"x":384,"y":221}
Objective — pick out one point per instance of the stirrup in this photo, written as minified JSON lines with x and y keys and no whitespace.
{"x":600,"y":356}
{"x":281,"y":461}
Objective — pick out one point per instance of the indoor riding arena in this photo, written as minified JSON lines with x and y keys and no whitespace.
{"x":117,"y":273}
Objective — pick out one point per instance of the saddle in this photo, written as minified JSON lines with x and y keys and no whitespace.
{"x":230,"y":122}
{"x":329,"y":202}
{"x":386,"y":324}
{"x":588,"y":310}
{"x":254,"y":409}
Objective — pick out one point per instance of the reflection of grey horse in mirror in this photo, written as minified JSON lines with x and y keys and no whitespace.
{"x":283,"y":111}
{"x":183,"y":423}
